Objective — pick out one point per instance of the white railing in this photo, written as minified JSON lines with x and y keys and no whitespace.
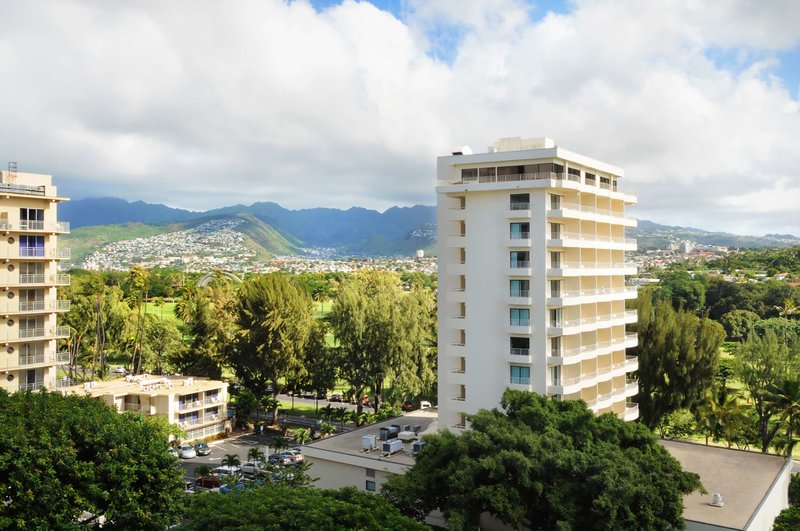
{"x":62,"y":331}
{"x":520,"y":264}
{"x":189,"y":405}
{"x":520,"y":236}
{"x":592,"y":265}
{"x":520,"y":322}
{"x":62,"y":357}
{"x":31,"y":359}
{"x":62,"y":280}
{"x":31,"y":386}
{"x":520,"y":206}
{"x":459,"y":398}
{"x":25,"y":224}
{"x":590,"y":210}
{"x":520,"y":351}
{"x":34,"y":331}
{"x":520,"y":293}
{"x":520,"y":380}
{"x":31,"y":279}
{"x":590,"y":237}
{"x":63,"y":305}
{"x":593,"y":292}
{"x":31,"y":306}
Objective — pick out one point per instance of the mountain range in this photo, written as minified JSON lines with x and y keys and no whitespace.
{"x":273,"y":230}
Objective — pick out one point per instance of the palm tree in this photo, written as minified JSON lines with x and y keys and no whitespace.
{"x":326,"y":429}
{"x":339,"y":414}
{"x":254,"y":454}
{"x":202,"y":470}
{"x":786,"y":395}
{"x":302,"y":436}
{"x":327,"y":413}
{"x":279,"y":443}
{"x":720,"y":415}
{"x":789,"y":309}
{"x":349,"y":416}
{"x":231,"y":460}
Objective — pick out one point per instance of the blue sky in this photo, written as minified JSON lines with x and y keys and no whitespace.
{"x":343,"y":104}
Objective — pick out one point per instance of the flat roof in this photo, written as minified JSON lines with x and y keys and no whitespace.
{"x":743,"y":478}
{"x":145,"y":384}
{"x":349,"y":443}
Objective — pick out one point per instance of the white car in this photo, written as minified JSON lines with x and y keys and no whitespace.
{"x":187,"y":451}
{"x":227,"y":470}
{"x":120,"y":370}
{"x":297,"y":455}
{"x":253,"y":467}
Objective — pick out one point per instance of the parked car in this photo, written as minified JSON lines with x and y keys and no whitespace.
{"x":227,"y":469}
{"x":120,"y":370}
{"x":202,"y":448}
{"x":407,"y":405}
{"x":212,"y":481}
{"x":295,"y":453}
{"x":187,"y":451}
{"x":281,"y":459}
{"x":424,"y":404}
{"x":173,"y":452}
{"x":335,"y":397}
{"x":253,"y":467}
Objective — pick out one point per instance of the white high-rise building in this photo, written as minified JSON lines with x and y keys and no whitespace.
{"x":29,"y":278}
{"x":532,"y":279}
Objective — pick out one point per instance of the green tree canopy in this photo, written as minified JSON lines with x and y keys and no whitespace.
{"x":547,"y":464}
{"x":677,"y":358}
{"x":62,"y":457}
{"x":283,"y":508}
{"x":276,"y":323}
{"x":683,"y":290}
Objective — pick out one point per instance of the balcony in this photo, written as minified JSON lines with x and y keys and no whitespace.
{"x":48,"y":253}
{"x":62,"y":332}
{"x":31,"y":359}
{"x":576,"y":211}
{"x":631,"y":411}
{"x":458,"y":398}
{"x":577,"y":269}
{"x":456,"y":322}
{"x":41,"y":226}
{"x":631,"y":363}
{"x":61,"y":280}
{"x":198,"y":420}
{"x":520,"y":267}
{"x":631,"y":387}
{"x":212,"y":400}
{"x":457,"y":349}
{"x":31,"y":386}
{"x":589,"y":296}
{"x":519,"y":211}
{"x":192,"y":404}
{"x":62,"y":358}
{"x":31,"y":332}
{"x":519,"y":239}
{"x":457,"y":240}
{"x":595,"y":241}
{"x":136,"y":407}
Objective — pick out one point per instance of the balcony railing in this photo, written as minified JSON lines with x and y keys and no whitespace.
{"x":31,"y":279}
{"x":31,"y":306}
{"x":31,"y":386}
{"x":62,"y":280}
{"x":31,"y":359}
{"x":519,"y":321}
{"x":63,"y":305}
{"x":62,"y":332}
{"x":134,"y":406}
{"x":62,"y":357}
{"x":521,"y":293}
{"x":591,"y":238}
{"x":22,"y":189}
{"x":592,"y":265}
{"x":520,"y":206}
{"x":591,"y":210}
{"x":199,"y":420}
{"x":540,"y":176}
{"x":593,"y":292}
{"x":211,"y":400}
{"x":459,"y":398}
{"x":520,"y":236}
{"x":34,"y":331}
{"x":520,"y":264}
{"x":189,"y":405}
{"x":25,"y":224}
{"x":520,"y":351}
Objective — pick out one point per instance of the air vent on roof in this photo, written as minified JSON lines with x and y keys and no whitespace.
{"x":417,"y":447}
{"x":392,"y":447}
{"x":369,"y":442}
{"x":717,"y":500}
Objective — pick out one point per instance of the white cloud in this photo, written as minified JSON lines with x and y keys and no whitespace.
{"x":206,"y":103}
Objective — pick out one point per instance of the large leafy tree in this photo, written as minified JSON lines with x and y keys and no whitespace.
{"x":67,"y":458}
{"x":763,"y":364}
{"x":547,"y":464}
{"x":383,"y":333}
{"x":678,"y":354}
{"x":300,"y":508}
{"x":276,"y":323}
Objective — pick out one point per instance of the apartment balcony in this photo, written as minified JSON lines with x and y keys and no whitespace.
{"x":603,"y":401}
{"x":34,"y":307}
{"x":35,"y":253}
{"x":60,"y":227}
{"x":605,"y":374}
{"x":212,"y":400}
{"x":574,"y":384}
{"x":520,"y":268}
{"x":61,"y":280}
{"x":519,"y":240}
{"x":32,"y":386}
{"x":590,"y":269}
{"x":136,"y":407}
{"x":631,"y":363}
{"x":519,"y":211}
{"x":62,"y":358}
{"x":590,"y":296}
{"x":520,"y":384}
{"x":458,"y":398}
{"x":456,"y":240}
{"x":204,"y":419}
{"x":631,"y":388}
{"x":589,"y":213}
{"x":457,"y":376}
{"x":189,"y":405}
{"x":455,"y":214}
{"x":31,"y":359}
{"x":456,"y":322}
{"x":519,"y":326}
{"x":519,"y":355}
{"x":590,"y":241}
{"x":457,"y":349}
{"x":631,"y":411}
{"x":586,"y":324}
{"x":519,"y":297}
{"x":457,"y":295}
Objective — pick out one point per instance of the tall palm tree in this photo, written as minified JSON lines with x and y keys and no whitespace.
{"x":720,"y":415}
{"x":786,"y":395}
{"x":254,"y":454}
{"x":231,"y":460}
{"x":279,"y":443}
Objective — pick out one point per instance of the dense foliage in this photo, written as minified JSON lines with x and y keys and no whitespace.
{"x":547,"y":464}
{"x":285,"y":509}
{"x":677,"y":357}
{"x":66,"y":460}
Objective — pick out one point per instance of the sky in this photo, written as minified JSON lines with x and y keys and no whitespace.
{"x":207,"y":103}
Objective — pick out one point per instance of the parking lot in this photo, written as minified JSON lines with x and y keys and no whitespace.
{"x":239,"y":446}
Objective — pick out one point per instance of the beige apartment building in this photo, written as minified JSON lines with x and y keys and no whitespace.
{"x":29,"y":278}
{"x":196,"y":405}
{"x":532,"y":284}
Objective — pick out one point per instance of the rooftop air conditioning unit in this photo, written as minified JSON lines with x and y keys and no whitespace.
{"x":417,"y":447}
{"x":392,"y":447}
{"x":416,"y":428}
{"x":384,"y":434}
{"x":369,"y":442}
{"x":406,"y":436}
{"x":405,"y":427}
{"x":188,"y":381}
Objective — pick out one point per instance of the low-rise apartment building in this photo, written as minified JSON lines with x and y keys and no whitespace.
{"x":196,"y":405}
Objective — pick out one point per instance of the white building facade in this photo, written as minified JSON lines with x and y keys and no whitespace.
{"x":29,"y":279}
{"x":532,"y":279}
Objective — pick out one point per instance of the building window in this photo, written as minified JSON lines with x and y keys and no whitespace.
{"x":469,"y":174}
{"x":31,"y":219}
{"x":555,"y":375}
{"x":520,"y":288}
{"x":555,"y":346}
{"x":520,"y":259}
{"x":371,"y":487}
{"x":555,"y":231}
{"x":520,"y":317}
{"x":520,"y":346}
{"x":520,"y":375}
{"x":555,"y":202}
{"x":520,"y":201}
{"x":555,"y":260}
{"x":520,"y":231}
{"x":31,"y":245}
{"x":370,"y":472}
{"x":555,"y":317}
{"x":555,"y":288}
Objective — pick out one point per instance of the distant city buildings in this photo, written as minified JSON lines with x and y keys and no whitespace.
{"x":532,"y":279}
{"x":30,"y":255}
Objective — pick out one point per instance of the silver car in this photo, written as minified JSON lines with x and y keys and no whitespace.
{"x":187,"y":451}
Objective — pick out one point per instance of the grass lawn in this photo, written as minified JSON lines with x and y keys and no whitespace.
{"x":165,"y":311}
